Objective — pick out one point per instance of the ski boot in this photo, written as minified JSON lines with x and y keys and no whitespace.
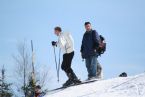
{"x":92,"y":78}
{"x":75,"y":79}
{"x":69,"y":82}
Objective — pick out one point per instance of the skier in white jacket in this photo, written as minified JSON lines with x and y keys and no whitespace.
{"x":66,"y":43}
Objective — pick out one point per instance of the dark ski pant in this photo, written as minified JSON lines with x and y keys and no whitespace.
{"x":66,"y":65}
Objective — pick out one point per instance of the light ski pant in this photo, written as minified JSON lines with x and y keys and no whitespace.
{"x":91,"y":64}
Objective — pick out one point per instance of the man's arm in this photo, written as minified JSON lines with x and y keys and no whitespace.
{"x":82,"y":47}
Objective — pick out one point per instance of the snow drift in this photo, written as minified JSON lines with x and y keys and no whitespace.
{"x":133,"y":86}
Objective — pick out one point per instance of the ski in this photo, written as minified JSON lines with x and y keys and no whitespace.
{"x":83,"y":82}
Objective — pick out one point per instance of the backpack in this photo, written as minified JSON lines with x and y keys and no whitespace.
{"x":102,"y":45}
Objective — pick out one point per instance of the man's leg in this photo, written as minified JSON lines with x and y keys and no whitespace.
{"x":88,"y":66}
{"x":99,"y":71}
{"x":64,"y":63}
{"x":93,"y":66}
{"x":70,"y":71}
{"x":66,"y":66}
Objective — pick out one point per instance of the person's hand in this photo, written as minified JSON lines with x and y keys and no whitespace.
{"x":54,"y":43}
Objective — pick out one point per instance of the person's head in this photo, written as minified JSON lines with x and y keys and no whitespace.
{"x":37,"y":89}
{"x":88,"y":26}
{"x":57,"y":30}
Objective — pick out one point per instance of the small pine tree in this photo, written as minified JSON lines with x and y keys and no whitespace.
{"x":29,"y":88}
{"x":5,"y":90}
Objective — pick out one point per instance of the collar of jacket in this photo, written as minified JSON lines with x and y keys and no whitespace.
{"x":60,"y":34}
{"x":89,"y":31}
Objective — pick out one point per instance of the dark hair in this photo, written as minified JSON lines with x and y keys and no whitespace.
{"x":38,"y":87}
{"x":58,"y":28}
{"x":86,"y":23}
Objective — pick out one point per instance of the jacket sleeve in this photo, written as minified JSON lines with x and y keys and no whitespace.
{"x":82,"y":47}
{"x":96,"y":39}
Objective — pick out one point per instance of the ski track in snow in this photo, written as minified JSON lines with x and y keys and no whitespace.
{"x":133,"y":86}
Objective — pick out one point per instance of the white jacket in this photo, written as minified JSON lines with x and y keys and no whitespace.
{"x":66,"y":42}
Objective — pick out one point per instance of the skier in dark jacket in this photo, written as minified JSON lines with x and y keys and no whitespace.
{"x":90,"y":44}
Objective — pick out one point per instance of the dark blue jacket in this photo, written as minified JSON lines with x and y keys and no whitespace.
{"x":90,"y":43}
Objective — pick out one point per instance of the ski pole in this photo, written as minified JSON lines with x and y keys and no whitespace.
{"x":56,"y":62}
{"x":59,"y":64}
{"x":55,"y":57}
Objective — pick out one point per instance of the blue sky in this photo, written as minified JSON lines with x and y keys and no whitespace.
{"x":121,"y":22}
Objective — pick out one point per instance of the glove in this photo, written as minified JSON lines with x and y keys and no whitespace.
{"x":54,"y":43}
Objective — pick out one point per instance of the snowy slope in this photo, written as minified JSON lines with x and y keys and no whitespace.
{"x":133,"y":86}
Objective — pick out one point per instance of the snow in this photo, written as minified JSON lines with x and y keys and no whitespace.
{"x":133,"y":86}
